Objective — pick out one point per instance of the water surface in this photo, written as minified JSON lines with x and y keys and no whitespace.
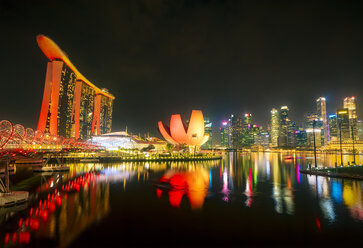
{"x":245,"y":199}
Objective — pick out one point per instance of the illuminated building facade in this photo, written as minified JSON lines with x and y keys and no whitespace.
{"x":343,"y":124}
{"x":360,"y":129}
{"x":321,"y":110}
{"x":310,"y":137}
{"x":106,"y":114}
{"x":122,"y":140}
{"x":347,"y":146}
{"x":300,"y":138}
{"x":236,"y":131}
{"x":333,"y":127}
{"x":247,"y":121}
{"x":224,"y":135}
{"x":284,"y":127}
{"x":291,"y":128}
{"x":275,"y":127}
{"x":208,"y":131}
{"x":86,"y":111}
{"x":72,"y":106}
{"x":248,"y":131}
{"x":309,"y":121}
{"x":313,"y":120}
{"x":350,"y":104}
{"x":262,"y":139}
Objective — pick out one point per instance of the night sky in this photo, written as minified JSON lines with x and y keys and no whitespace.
{"x":164,"y":57}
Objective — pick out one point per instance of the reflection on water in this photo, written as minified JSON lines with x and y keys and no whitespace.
{"x":176,"y":184}
{"x":63,"y":206}
{"x":329,"y":160}
{"x":60,"y":208}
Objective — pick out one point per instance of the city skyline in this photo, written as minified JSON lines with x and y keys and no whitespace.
{"x":214,"y":123}
{"x":319,"y":128}
{"x":229,"y":64}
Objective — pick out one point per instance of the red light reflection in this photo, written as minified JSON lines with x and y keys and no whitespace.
{"x":192,"y":184}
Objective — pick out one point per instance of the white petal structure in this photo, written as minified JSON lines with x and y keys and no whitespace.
{"x":193,"y":135}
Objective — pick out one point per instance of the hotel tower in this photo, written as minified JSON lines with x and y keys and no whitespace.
{"x":72,"y":106}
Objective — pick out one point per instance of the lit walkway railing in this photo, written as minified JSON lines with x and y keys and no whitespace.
{"x":17,"y":141}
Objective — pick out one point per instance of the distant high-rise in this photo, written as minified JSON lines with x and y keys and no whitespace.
{"x":284,"y":115}
{"x":333,"y":127}
{"x":236,"y":124}
{"x":72,"y":106}
{"x":247,"y":121}
{"x":350,"y":104}
{"x":360,"y":130}
{"x":275,"y":126}
{"x":247,"y":131}
{"x":208,"y":130}
{"x":321,"y":111}
{"x":224,"y":135}
{"x":262,"y":139}
{"x":291,"y":128}
{"x":284,"y":127}
{"x":310,"y":137}
{"x":343,"y":124}
{"x":300,"y":138}
{"x":309,"y":120}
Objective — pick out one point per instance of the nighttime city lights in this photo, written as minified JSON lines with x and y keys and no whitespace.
{"x":181,"y":123}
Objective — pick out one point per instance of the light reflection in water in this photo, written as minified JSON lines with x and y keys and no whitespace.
{"x":64,"y":205}
{"x":339,"y":191}
{"x":327,"y":208}
{"x":248,"y":191}
{"x":177,"y":183}
{"x":225,"y":190}
{"x":62,"y":209}
{"x":272,"y":180}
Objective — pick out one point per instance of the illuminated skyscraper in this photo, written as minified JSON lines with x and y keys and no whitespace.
{"x":321,"y":111}
{"x":350,"y":104}
{"x":300,"y":138}
{"x":72,"y":106}
{"x":287,"y":129}
{"x":208,"y":130}
{"x":333,"y":127}
{"x":309,"y":120}
{"x":360,"y":130}
{"x":275,"y":126}
{"x":261,"y":139}
{"x":247,"y":131}
{"x":343,"y":124}
{"x":313,"y":120}
{"x":236,"y":131}
{"x":105,"y":113}
{"x":284,"y":127}
{"x":310,"y":137}
{"x":86,"y":110}
{"x":224,"y":135}
{"x":247,"y":121}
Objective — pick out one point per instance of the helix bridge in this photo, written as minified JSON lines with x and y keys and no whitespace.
{"x":18,"y":143}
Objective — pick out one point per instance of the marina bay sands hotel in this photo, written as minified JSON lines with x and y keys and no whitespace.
{"x":72,"y":106}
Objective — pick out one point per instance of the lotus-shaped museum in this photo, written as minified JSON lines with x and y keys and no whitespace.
{"x":178,"y":133}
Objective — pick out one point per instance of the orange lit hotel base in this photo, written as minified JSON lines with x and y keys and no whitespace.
{"x":72,"y":106}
